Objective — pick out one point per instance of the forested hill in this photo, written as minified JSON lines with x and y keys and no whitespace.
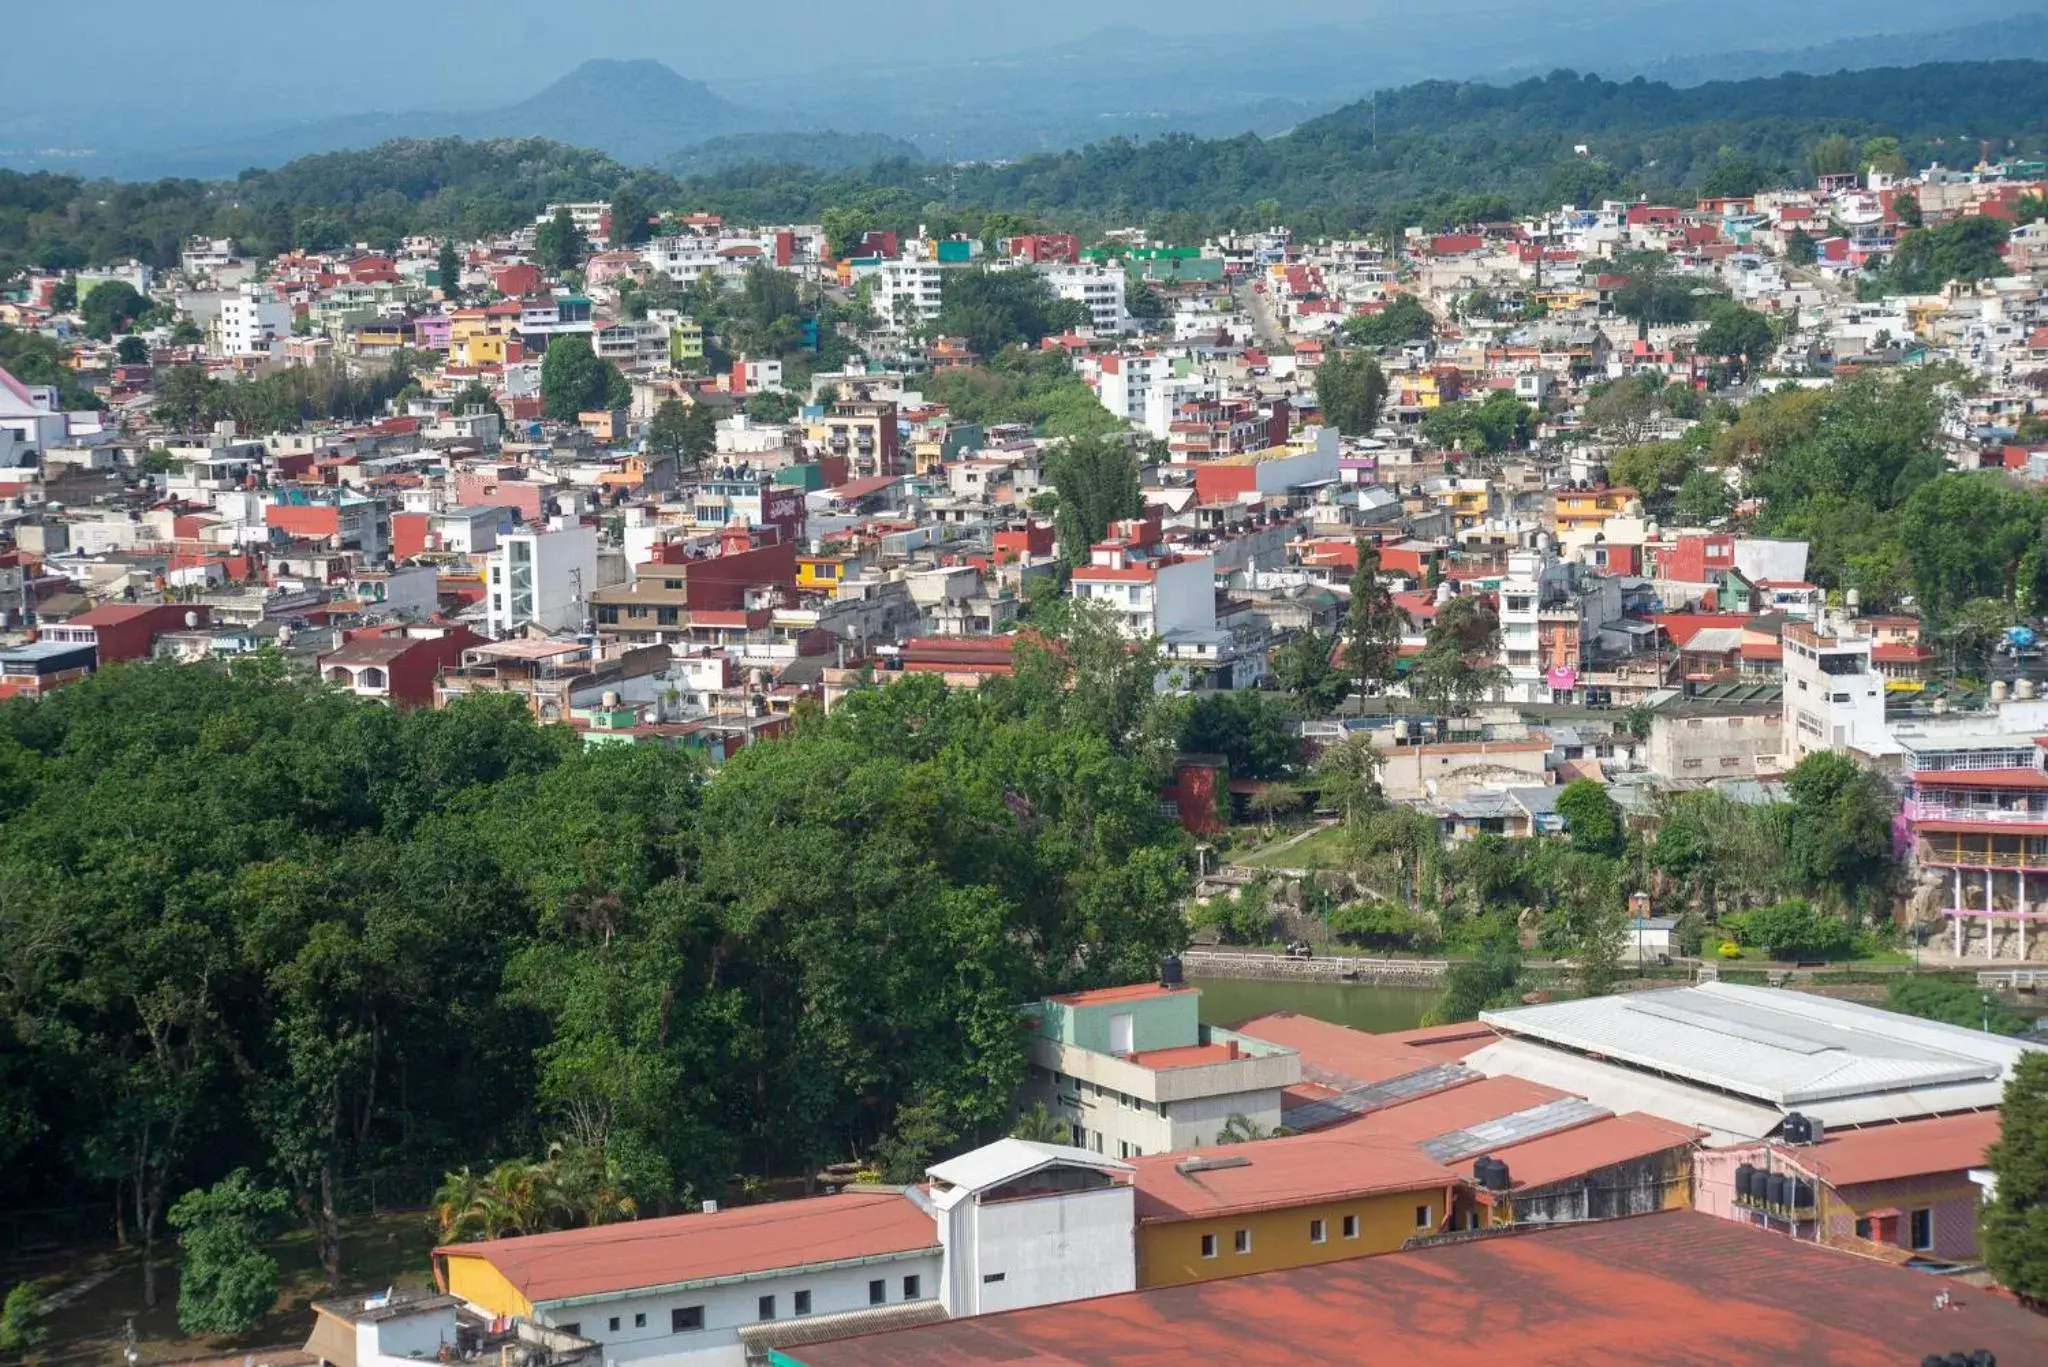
{"x":1430,"y":153}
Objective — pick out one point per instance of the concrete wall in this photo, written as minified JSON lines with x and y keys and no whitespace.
{"x":1043,"y":1250}
{"x":1697,"y":748}
{"x":1170,"y":1252}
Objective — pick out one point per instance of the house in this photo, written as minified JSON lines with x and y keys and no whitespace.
{"x":544,"y":578}
{"x":30,"y":420}
{"x":1133,"y":1071}
{"x":396,"y":665}
{"x":39,"y":666}
{"x":401,"y":1329}
{"x":1976,"y":816}
{"x":125,"y":631}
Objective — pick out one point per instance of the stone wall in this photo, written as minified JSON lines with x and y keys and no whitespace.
{"x":1278,"y":968}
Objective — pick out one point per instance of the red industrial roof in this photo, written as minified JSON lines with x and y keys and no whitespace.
{"x":1352,"y":1054}
{"x":684,"y":1248}
{"x":1101,"y":996}
{"x":1588,"y":1148}
{"x":1676,"y":1287}
{"x":1279,"y":1173}
{"x":1888,"y":1152}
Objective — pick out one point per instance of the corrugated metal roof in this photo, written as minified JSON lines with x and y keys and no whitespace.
{"x":1359,"y":1101}
{"x":1726,"y":1119}
{"x":1788,"y":1049}
{"x":1517,"y":1128}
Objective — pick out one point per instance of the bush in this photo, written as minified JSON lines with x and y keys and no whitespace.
{"x":1244,"y":917}
{"x":1488,"y":983}
{"x":1939,"y":999}
{"x":21,"y":1319}
{"x":1791,"y":930}
{"x":1381,"y":925}
{"x":226,"y":1283}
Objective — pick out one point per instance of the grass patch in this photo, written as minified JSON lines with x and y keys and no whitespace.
{"x":376,"y":1251}
{"x":1326,"y":849}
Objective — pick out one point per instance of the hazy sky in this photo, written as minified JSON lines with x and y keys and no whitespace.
{"x":290,"y":57}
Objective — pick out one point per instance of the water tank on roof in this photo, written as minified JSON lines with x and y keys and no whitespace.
{"x":1170,"y":971}
{"x":2024,"y":690}
{"x":1776,"y":1188}
{"x":611,"y":699}
{"x":1998,"y":690}
{"x":1745,"y":1178}
{"x":1802,"y":1195}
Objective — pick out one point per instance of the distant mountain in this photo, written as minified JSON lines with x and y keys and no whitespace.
{"x":634,"y":111}
{"x":2019,"y":36}
{"x":825,"y":151}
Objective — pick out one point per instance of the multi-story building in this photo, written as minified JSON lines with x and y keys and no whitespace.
{"x":867,"y":433}
{"x":1977,"y":815}
{"x":545,"y":578}
{"x":1127,"y":382}
{"x":908,"y":294}
{"x":1099,"y":289}
{"x":1151,"y":595}
{"x":1134,"y":1071}
{"x":1551,"y":615}
{"x":251,"y":322}
{"x":1834,"y":699}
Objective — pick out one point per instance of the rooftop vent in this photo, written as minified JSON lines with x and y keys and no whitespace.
{"x":1188,"y":1167}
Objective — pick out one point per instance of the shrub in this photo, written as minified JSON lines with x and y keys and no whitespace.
{"x":1792,"y":930}
{"x":1380,"y":925}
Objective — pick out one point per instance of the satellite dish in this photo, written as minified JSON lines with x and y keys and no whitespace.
{"x":191,"y":619}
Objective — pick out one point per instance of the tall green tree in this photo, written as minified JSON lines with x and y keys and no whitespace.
{"x":226,"y":1283}
{"x":1839,"y":821}
{"x":1373,"y":624}
{"x":2013,"y":1227}
{"x":1305,"y":670}
{"x":1592,"y":818}
{"x":1404,"y":319}
{"x":448,"y":269}
{"x":559,"y":244}
{"x":1097,"y":482}
{"x":1350,"y":389}
{"x":632,"y":220}
{"x":1458,"y":665}
{"x":573,"y":380}
{"x":683,"y":429}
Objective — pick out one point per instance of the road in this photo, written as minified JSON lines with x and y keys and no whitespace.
{"x":1259,"y":306}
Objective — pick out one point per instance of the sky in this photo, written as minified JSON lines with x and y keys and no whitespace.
{"x":290,"y":58}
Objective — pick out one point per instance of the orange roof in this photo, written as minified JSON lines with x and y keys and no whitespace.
{"x":1133,"y":992}
{"x":1588,"y":1148}
{"x":1439,"y":1113}
{"x":1679,"y":1286}
{"x":1887,"y":1152}
{"x":687,"y":1248}
{"x":1352,"y":1054}
{"x":1334,"y":1165}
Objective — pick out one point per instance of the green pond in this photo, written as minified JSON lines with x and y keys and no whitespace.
{"x":1378,"y":1009}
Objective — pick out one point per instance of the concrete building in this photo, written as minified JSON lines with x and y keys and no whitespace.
{"x":908,"y":294}
{"x":1551,"y":617}
{"x":1834,"y":699}
{"x":1025,"y":1224}
{"x":31,"y":420}
{"x":1696,"y":740}
{"x":251,"y":322}
{"x":1976,"y":816}
{"x":1099,"y":289}
{"x":1134,"y":1072}
{"x":543,"y":578}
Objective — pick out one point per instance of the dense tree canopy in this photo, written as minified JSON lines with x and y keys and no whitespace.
{"x":323,"y":939}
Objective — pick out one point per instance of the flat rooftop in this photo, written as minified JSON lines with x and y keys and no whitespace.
{"x":1674,"y":1288}
{"x":1779,"y":1048}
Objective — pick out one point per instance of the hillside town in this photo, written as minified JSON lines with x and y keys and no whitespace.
{"x":1637,"y":602}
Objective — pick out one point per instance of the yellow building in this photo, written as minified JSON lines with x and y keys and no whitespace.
{"x":1588,"y":509}
{"x":686,"y":342}
{"x":822,"y":571}
{"x":480,"y":349}
{"x":1279,"y":1203}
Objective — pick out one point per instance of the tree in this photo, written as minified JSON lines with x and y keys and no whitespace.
{"x":559,"y":244}
{"x":1628,"y":412}
{"x":1737,"y":334}
{"x":993,"y":309}
{"x":1907,"y":210}
{"x":1499,"y":422}
{"x":1350,"y":387}
{"x":1833,"y":156}
{"x":1953,"y":1003}
{"x":683,"y":429}
{"x":631,"y":218}
{"x":1097,"y":482}
{"x":1373,"y":624}
{"x":1791,"y":930}
{"x":772,"y":405}
{"x":448,"y":270}
{"x":2031,"y":207}
{"x":1304,"y":670}
{"x":1968,"y":249}
{"x":1253,"y":731}
{"x":1242,"y":1129}
{"x":1592,"y":818}
{"x":574,"y":381}
{"x":1243,"y":916}
{"x":132,"y":350}
{"x":226,"y":1283}
{"x":1347,"y":777}
{"x":1272,"y":800}
{"x":1702,"y":499}
{"x":1734,"y":175}
{"x":2013,"y":1227}
{"x":1839,"y":822}
{"x":22,"y":1317}
{"x":474,"y":397}
{"x":1882,"y":154}
{"x":1404,"y":319}
{"x":1490,"y":982}
{"x":1040,"y":1126}
{"x":1802,"y":249}
{"x":1457,"y":666}
{"x":112,"y":306}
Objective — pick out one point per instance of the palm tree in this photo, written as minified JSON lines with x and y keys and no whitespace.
{"x":454,"y":1203}
{"x":1242,"y":1129}
{"x":1040,"y":1126}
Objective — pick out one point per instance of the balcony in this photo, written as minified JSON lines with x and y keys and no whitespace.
{"x":1954,"y":854}
{"x":2004,"y":816}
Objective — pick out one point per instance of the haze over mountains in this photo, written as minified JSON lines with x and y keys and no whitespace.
{"x":1120,"y":81}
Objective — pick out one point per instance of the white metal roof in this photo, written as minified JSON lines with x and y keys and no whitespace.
{"x":1006,"y":1160}
{"x":1781,"y":1048}
{"x":1726,"y":1119}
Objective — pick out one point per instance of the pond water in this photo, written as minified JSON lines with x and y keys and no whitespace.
{"x":1362,"y":1007}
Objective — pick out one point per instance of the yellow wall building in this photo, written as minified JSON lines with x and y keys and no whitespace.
{"x":821,"y":571}
{"x":480,"y":1283}
{"x":1174,"y":1250}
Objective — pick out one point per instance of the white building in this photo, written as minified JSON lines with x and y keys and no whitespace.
{"x":1100,"y":289}
{"x":1126,"y":384}
{"x":1834,"y":699}
{"x":1151,"y":596}
{"x":544,"y":578}
{"x":908,"y":294}
{"x":251,"y":323}
{"x":1026,"y":1224}
{"x":30,"y":420}
{"x":1551,"y":613}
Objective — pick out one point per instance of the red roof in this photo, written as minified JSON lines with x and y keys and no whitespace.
{"x":683,"y":1248}
{"x":1575,"y":1152}
{"x":1980,"y":778}
{"x":1102,"y":996}
{"x":1679,"y":1286}
{"x":1348,"y":1053}
{"x":1886,"y":1153}
{"x":1333,"y":1165}
{"x":1186,"y":1056}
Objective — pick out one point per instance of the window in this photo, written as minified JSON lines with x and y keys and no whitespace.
{"x":878,"y":1291}
{"x":1208,"y":1245}
{"x":640,"y":1320}
{"x":1241,"y":1241}
{"x":1317,"y":1232}
{"x":572,"y":1327}
{"x":613,"y":1324}
{"x":991,"y":1278}
{"x":1863,"y":1227}
{"x":1922,"y":1228}
{"x":910,"y":1288}
{"x":801,"y":1302}
{"x":765,"y":1309}
{"x":1424,"y":1218}
{"x":685,"y":1320}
